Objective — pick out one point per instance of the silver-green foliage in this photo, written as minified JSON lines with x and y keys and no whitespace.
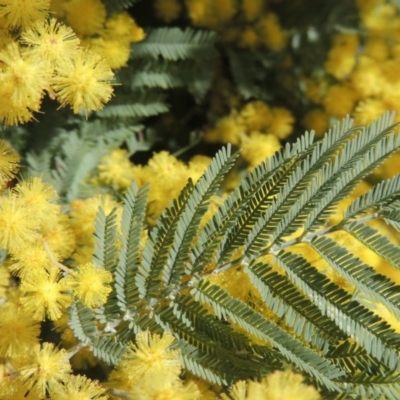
{"x":73,"y":154}
{"x":320,"y":328}
{"x":168,"y":58}
{"x":118,"y":5}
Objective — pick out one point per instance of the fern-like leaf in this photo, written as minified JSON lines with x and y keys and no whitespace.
{"x":39,"y":164}
{"x":256,"y":194}
{"x":135,"y":107}
{"x":108,"y":349}
{"x":363,"y":153}
{"x":380,"y":195}
{"x":359,"y":323}
{"x":227,"y":307}
{"x":321,"y":180}
{"x":118,"y":5}
{"x":129,"y":257}
{"x":155,"y":253}
{"x":284,"y":299}
{"x":189,"y":361}
{"x":105,"y":234}
{"x":105,"y":256}
{"x":316,"y":326}
{"x":82,"y":321}
{"x":383,"y":384}
{"x":379,"y":244}
{"x":79,"y":158}
{"x":374,"y":286}
{"x":196,"y":316}
{"x":390,"y":213}
{"x":175,"y":44}
{"x":211,"y":355}
{"x":352,"y":357}
{"x":196,"y":207}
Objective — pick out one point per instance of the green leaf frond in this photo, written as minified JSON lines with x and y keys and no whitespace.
{"x":82,"y":321}
{"x":213,"y":235}
{"x":218,"y":346}
{"x":169,"y":58}
{"x":351,"y":357}
{"x":211,"y":354}
{"x":105,"y":234}
{"x":383,"y":384}
{"x":169,"y":246}
{"x":72,"y":155}
{"x":379,"y":196}
{"x":228,"y":308}
{"x":189,"y":361}
{"x":359,"y":157}
{"x":355,"y":320}
{"x":129,"y":255}
{"x":391,"y":214}
{"x":118,"y":5}
{"x":321,"y":180}
{"x":374,"y":286}
{"x":77,"y":159}
{"x":155,"y":252}
{"x":108,"y":349}
{"x":379,"y":244}
{"x":164,"y":75}
{"x":135,"y":106}
{"x":274,"y":188}
{"x":169,"y":283}
{"x":298,"y":311}
{"x":195,"y":74}
{"x":105,"y":255}
{"x":369,"y":378}
{"x":39,"y":164}
{"x":194,"y":315}
{"x":195,"y":208}
{"x":175,"y":44}
{"x":255,"y":195}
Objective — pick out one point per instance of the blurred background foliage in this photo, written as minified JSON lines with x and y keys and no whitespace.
{"x":223,"y":56}
{"x":191,"y":75}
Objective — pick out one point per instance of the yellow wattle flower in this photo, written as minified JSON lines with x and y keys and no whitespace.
{"x":86,"y":17}
{"x":84,"y":83}
{"x":51,"y":41}
{"x":22,"y":13}
{"x":9,"y":162}
{"x":90,"y":284}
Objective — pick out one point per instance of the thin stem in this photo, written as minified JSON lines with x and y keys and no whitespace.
{"x":73,"y":350}
{"x":188,"y":147}
{"x":306,"y":237}
{"x":10,"y":369}
{"x":54,"y":261}
{"x":228,"y":265}
{"x":121,"y":394}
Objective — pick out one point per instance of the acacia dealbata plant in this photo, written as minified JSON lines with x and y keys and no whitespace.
{"x":283,"y":310}
{"x":264,"y":288}
{"x":318,"y":327}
